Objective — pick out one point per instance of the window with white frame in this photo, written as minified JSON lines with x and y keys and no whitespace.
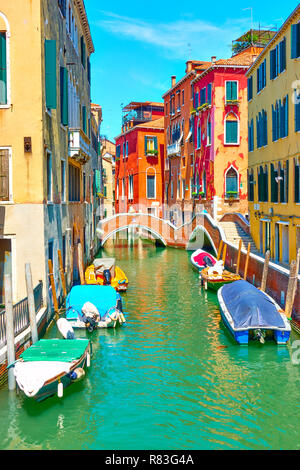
{"x":130,"y":187}
{"x":4,"y":61}
{"x":151,"y":186}
{"x":231,"y":183}
{"x":231,"y":129}
{"x":123,"y":189}
{"x":231,"y":90}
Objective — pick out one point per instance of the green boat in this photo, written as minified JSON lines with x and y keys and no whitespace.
{"x":50,"y":365}
{"x":214,"y":280}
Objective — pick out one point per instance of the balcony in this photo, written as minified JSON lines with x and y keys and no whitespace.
{"x":79,"y":146}
{"x":173,"y":149}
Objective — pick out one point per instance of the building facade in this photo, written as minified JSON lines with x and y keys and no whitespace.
{"x":139,"y":176}
{"x":274,"y":144}
{"x":46,"y":164}
{"x":108,"y":156}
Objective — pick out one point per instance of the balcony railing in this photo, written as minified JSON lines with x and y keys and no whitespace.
{"x":21,"y":314}
{"x":173,"y":149}
{"x":79,"y":146}
{"x":139,"y":115}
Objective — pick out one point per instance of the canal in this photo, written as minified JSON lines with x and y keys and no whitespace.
{"x":171,"y":379}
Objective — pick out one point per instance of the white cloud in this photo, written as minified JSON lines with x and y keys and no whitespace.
{"x":177,"y":39}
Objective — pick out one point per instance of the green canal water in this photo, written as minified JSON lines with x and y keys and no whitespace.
{"x":171,"y":379}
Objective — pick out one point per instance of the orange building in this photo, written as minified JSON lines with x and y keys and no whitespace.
{"x":139,"y":175}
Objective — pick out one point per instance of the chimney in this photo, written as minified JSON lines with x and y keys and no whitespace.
{"x":188,"y":66}
{"x":173,"y":79}
{"x":213,"y":59}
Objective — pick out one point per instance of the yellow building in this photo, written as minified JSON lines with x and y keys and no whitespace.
{"x":46,"y":164}
{"x":274,"y":143}
{"x":108,"y":154}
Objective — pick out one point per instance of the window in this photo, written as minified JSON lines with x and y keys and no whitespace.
{"x":209,"y":93}
{"x":130,"y":188}
{"x":183,"y":188}
{"x":295,"y":39}
{"x":84,"y":123}
{"x":182,"y":96}
{"x":283,"y":177}
{"x":263,"y":187}
{"x":117,"y":192}
{"x":166,"y":109}
{"x":231,"y":129}
{"x":278,"y":59}
{"x":297,"y":179}
{"x":297,"y":110}
{"x":198,"y":136}
{"x":208,"y":132}
{"x":261,"y":76}
{"x":64,"y":251}
{"x":118,"y":152}
{"x":203,"y":96}
{"x":126,"y":149}
{"x":251,"y":136}
{"x":50,"y":73}
{"x":84,"y":185}
{"x":172,"y":189}
{"x":64,"y":96}
{"x":3,"y":68}
{"x":231,"y":91}
{"x":63,"y":7}
{"x":74,"y":183}
{"x":250,"y":88}
{"x":151,"y":144}
{"x":49,"y":177}
{"x":83,"y":51}
{"x":50,"y":251}
{"x":280,"y":116}
{"x":231,"y":183}
{"x":204,"y":183}
{"x":261,"y":129}
{"x":150,"y":186}
{"x":251,"y":185}
{"x":123,"y":188}
{"x":63,"y":180}
{"x":196,"y":100}
{"x":274,"y":183}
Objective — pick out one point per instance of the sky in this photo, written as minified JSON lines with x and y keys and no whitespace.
{"x":139,"y":45}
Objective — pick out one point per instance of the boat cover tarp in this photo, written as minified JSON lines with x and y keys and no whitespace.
{"x":100,"y":264}
{"x":103,"y":297}
{"x":200,"y":258}
{"x":31,"y":376}
{"x":55,"y":350}
{"x":249,"y":307}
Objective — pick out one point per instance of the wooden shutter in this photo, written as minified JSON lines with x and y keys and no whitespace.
{"x":64,"y":95}
{"x":146,"y":144}
{"x":155,"y":143}
{"x":4,"y":175}
{"x":50,"y":73}
{"x":297,"y":182}
{"x":294,"y":41}
{"x":231,"y":132}
{"x":3,"y":71}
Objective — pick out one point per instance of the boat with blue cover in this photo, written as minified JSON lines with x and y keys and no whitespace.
{"x":251,"y":314}
{"x":94,"y":306}
{"x":51,"y":365}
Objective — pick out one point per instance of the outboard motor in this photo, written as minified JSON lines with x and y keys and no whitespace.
{"x":106,"y":277}
{"x":90,"y":322}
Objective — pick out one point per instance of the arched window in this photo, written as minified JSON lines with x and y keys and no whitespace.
{"x":4,"y":61}
{"x":198,"y":135}
{"x":231,"y":183}
{"x":232,"y":129}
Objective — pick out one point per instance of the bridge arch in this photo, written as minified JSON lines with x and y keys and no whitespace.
{"x":126,"y":227}
{"x":206,"y":242}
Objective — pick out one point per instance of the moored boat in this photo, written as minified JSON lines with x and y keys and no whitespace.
{"x":104,"y":272}
{"x":201,"y":259}
{"x":216,"y":276}
{"x":249,"y":313}
{"x":94,"y":306}
{"x":50,"y":365}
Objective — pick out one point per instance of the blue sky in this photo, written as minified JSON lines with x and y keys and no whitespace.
{"x":139,"y":45}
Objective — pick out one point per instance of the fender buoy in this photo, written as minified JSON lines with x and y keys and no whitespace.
{"x":60,"y":390}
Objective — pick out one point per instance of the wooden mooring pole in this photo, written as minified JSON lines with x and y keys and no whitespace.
{"x":31,"y":304}
{"x":247,"y":262}
{"x":220,"y":249}
{"x":265,"y":271}
{"x":224,"y":254}
{"x":55,"y":303}
{"x":80,"y":264}
{"x":292,"y":286}
{"x":239,"y":257}
{"x":10,"y":331}
{"x":62,"y":273}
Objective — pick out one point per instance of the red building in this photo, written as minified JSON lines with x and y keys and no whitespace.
{"x":139,"y":176}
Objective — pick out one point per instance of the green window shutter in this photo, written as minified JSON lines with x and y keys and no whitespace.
{"x":3,"y":70}
{"x":297,"y":183}
{"x":146,"y":142}
{"x":84,"y":119}
{"x":294,"y":41}
{"x":155,"y":143}
{"x":231,"y":132}
{"x":50,"y":73}
{"x":83,"y":53}
{"x":64,"y":96}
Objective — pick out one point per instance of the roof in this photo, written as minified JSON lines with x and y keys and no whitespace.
{"x":85,"y":25}
{"x":201,"y":66}
{"x":294,"y":13}
{"x":239,"y":59}
{"x":155,"y":124}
